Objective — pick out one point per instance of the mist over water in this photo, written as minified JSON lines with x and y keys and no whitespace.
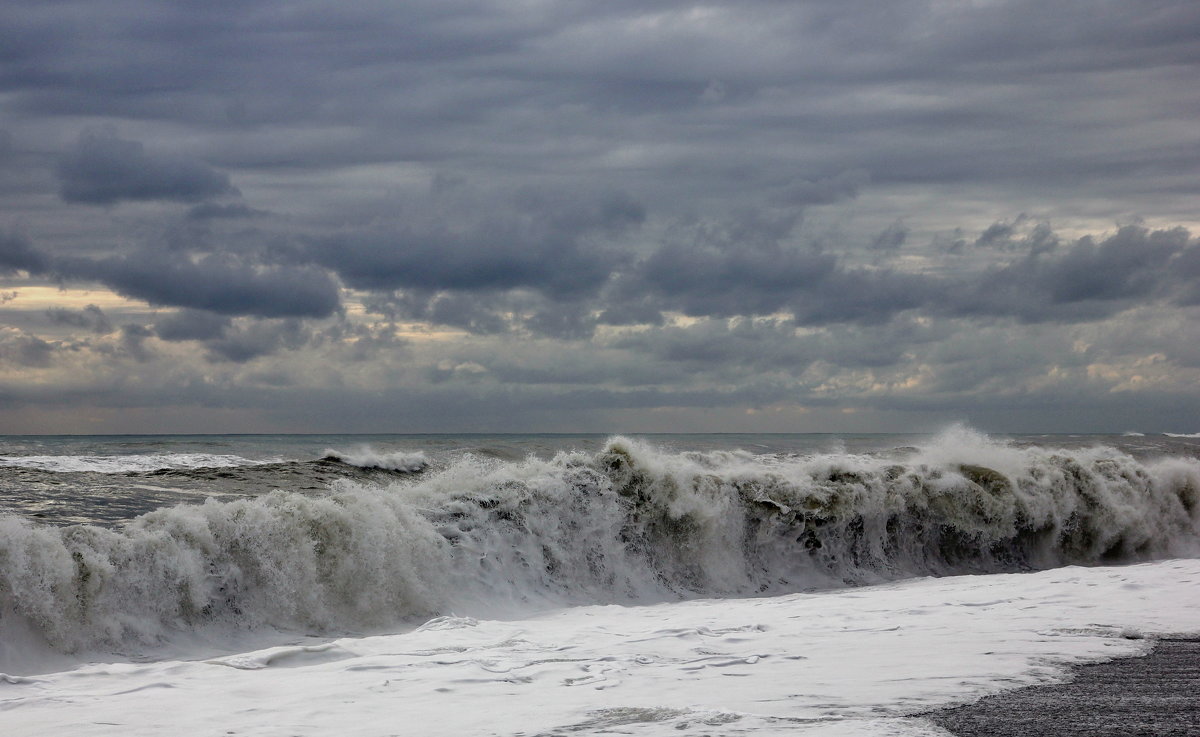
{"x":367,"y":537}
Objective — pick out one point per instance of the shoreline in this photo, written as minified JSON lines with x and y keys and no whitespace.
{"x":1153,"y":694}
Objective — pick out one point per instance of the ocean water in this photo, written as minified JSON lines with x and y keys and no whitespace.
{"x":585,"y":584}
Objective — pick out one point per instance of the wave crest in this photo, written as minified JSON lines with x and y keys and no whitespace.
{"x":128,"y":463}
{"x":402,"y":462}
{"x":865,"y":518}
{"x":630,"y":523}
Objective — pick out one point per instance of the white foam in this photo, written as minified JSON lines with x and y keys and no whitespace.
{"x":367,"y":457}
{"x":128,"y":463}
{"x":849,"y":662}
{"x":630,"y":524}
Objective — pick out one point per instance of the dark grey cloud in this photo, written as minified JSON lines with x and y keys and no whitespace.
{"x":103,"y":169}
{"x":891,"y":238}
{"x":804,"y":193}
{"x":741,"y":281}
{"x":736,"y":350}
{"x":215,"y":211}
{"x":916,"y":91}
{"x":838,"y":86}
{"x":259,"y":338}
{"x":223,"y":283}
{"x":133,"y":342}
{"x":190,"y":324}
{"x":738,"y":265}
{"x":478,"y":314}
{"x":218,"y":283}
{"x":997,"y":233}
{"x":751,"y":264}
{"x":91,"y":318}
{"x":717,"y":345}
{"x":1018,"y":234}
{"x":809,"y":185}
{"x":1185,"y":267}
{"x":491,"y":312}
{"x":1088,"y":280}
{"x":17,"y":253}
{"x":627,"y":309}
{"x":361,"y":343}
{"x":565,"y":322}
{"x":22,"y":349}
{"x":548,"y":243}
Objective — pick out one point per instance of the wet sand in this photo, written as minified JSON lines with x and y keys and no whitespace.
{"x":1158,"y":694}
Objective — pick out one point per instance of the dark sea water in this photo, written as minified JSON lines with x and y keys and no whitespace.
{"x":109,"y":541}
{"x":104,"y":479}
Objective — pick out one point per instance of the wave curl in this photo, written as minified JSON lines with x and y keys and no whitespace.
{"x":630,"y":523}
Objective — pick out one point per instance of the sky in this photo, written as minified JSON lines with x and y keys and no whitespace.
{"x":599,"y":216}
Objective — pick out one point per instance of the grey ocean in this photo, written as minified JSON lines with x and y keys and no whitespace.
{"x":119,"y":543}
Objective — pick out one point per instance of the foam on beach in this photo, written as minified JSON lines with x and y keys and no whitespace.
{"x":854,"y":661}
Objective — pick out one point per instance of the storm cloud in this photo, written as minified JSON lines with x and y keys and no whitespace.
{"x":601,"y":215}
{"x":223,"y":283}
{"x":91,"y":318}
{"x":218,"y":283}
{"x":546,"y":243}
{"x":1089,"y":279}
{"x":18,"y":254}
{"x":102,"y":169}
{"x":188,"y":324}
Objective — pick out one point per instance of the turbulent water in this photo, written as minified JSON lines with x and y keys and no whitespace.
{"x":121,"y":543}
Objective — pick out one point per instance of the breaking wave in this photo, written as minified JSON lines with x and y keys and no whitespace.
{"x":127,"y":463}
{"x":631,"y":523}
{"x":371,"y":459}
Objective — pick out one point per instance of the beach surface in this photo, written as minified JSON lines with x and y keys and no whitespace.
{"x":855,"y":662}
{"x":1157,"y":694}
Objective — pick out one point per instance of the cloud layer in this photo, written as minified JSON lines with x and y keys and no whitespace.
{"x":481,"y":215}
{"x":102,"y":169}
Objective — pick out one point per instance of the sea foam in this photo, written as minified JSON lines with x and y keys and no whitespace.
{"x":128,"y":463}
{"x":632,"y":523}
{"x":366,"y":457}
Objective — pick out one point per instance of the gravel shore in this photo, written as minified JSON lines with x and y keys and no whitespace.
{"x":1157,"y":694}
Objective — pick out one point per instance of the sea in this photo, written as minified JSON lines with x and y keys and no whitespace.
{"x":536,"y":585}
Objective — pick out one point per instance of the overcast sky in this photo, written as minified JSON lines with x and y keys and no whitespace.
{"x":599,"y":215}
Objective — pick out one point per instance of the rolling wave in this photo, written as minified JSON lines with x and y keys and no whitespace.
{"x":631,"y":523}
{"x":403,"y":462}
{"x":127,"y":463}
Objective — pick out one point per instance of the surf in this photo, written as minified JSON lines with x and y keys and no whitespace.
{"x":631,"y":523}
